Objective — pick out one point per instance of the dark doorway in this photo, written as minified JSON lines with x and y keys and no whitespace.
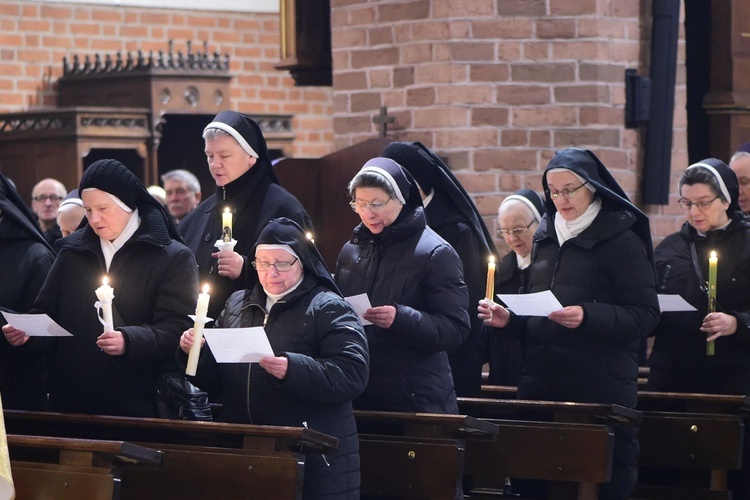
{"x":182,"y":147}
{"x":697,"y":77}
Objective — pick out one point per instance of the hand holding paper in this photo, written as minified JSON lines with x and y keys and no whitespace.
{"x":531,"y":304}
{"x":360,"y":303}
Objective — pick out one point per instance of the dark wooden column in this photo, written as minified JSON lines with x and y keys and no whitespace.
{"x":306,"y":41}
{"x":728,"y":101}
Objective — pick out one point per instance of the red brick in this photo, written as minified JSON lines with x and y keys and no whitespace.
{"x":550,"y":72}
{"x":361,"y":16}
{"x":430,"y":30}
{"x":468,"y":138}
{"x":544,"y":117}
{"x":476,"y":182}
{"x":403,"y":77}
{"x":350,"y":80}
{"x":348,"y":38}
{"x":624,"y":8}
{"x":484,"y":116}
{"x":466,"y":94}
{"x":540,"y":139}
{"x":419,"y":97}
{"x":467,"y":51}
{"x":602,"y":72}
{"x":403,"y":11}
{"x":602,"y":115}
{"x":537,"y":51}
{"x":379,"y":78}
{"x":572,"y":7}
{"x":433,"y":73}
{"x":523,"y":94}
{"x":556,"y":28}
{"x":514,"y":138}
{"x":581,"y":50}
{"x":601,"y":28}
{"x":582,"y":93}
{"x":365,"y":101}
{"x":375,"y":57}
{"x":522,"y":8}
{"x":14,"y":10}
{"x":505,"y":29}
{"x":589,"y":137}
{"x":452,"y":8}
{"x":416,"y":53}
{"x":380,"y":36}
{"x":489,"y":72}
{"x":441,"y":117}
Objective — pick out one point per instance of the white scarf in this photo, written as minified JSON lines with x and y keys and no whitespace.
{"x":523,"y":262}
{"x":110,"y":248}
{"x":720,"y":228}
{"x":566,"y":230}
{"x":272,"y":298}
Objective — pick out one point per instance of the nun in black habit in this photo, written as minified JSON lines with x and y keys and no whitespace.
{"x":239,"y":162}
{"x":128,"y":237}
{"x":451,"y":213}
{"x":593,"y":251}
{"x":25,"y":260}
{"x":320,"y":363}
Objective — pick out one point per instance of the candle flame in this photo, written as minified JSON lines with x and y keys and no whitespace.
{"x":105,"y":281}
{"x":205,"y":288}
{"x":713,"y":254}
{"x":492,"y":259}
{"x":227,"y":210}
{"x":309,"y":235}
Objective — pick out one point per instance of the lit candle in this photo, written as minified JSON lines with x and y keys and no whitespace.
{"x":226,"y":224}
{"x":713,"y":264}
{"x":201,"y":312}
{"x":106,"y":294}
{"x":490,"y":291}
{"x":309,"y":236}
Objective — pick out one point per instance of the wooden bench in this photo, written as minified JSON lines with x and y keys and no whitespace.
{"x":201,"y":459}
{"x":573,"y":458}
{"x":63,"y":468}
{"x":693,"y":439}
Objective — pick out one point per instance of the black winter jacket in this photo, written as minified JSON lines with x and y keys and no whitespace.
{"x":606,"y":271}
{"x":680,"y":347}
{"x":155,"y":286}
{"x":255,"y":198}
{"x":412,"y":268}
{"x":322,"y":338}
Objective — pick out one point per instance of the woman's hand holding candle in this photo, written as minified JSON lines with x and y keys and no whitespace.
{"x":106,"y":295}
{"x":229,"y":263}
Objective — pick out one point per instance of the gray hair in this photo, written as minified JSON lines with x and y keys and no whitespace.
{"x":371,"y":180}
{"x":184,"y":176}
{"x":212,"y":133}
{"x":738,"y":155}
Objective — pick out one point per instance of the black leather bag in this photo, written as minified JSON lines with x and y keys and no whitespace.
{"x":178,"y":399}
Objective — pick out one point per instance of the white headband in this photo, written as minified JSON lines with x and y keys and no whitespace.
{"x":715,"y":173}
{"x":389,"y":178}
{"x":117,"y":200}
{"x":525,"y":201}
{"x":237,"y":136}
{"x":584,"y":181}
{"x":269,"y":246}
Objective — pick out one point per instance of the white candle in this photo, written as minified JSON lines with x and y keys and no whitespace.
{"x":201,"y":312}
{"x":226,"y":224}
{"x":490,"y":289}
{"x":106,"y":294}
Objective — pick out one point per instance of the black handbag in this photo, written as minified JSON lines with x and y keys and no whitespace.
{"x":178,"y":399}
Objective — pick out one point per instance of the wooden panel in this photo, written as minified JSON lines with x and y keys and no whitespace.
{"x":404,"y":467}
{"x":37,"y":481}
{"x":200,"y":472}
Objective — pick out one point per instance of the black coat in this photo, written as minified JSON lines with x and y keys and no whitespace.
{"x":24,"y":265}
{"x":255,"y":198}
{"x":678,"y":358}
{"x":466,"y":360}
{"x":606,"y":271}
{"x":412,"y":268}
{"x":322,"y":338}
{"x":155,"y":286}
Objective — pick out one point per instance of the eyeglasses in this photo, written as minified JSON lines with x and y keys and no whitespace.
{"x":687,"y":205}
{"x":375,"y":207}
{"x":566,"y":193}
{"x":281,"y":266}
{"x":518,"y":231}
{"x":44,"y":197}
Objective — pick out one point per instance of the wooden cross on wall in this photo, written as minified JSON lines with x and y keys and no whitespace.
{"x":383,"y":120}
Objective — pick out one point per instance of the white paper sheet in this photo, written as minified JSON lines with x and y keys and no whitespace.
{"x":36,"y":325}
{"x":238,"y":345}
{"x":531,"y":304}
{"x":674,"y":303}
{"x":360,"y":303}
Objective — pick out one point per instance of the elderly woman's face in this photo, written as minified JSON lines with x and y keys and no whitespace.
{"x":568,"y":194}
{"x":227,"y":161}
{"x":379,"y":218}
{"x":105,"y":216}
{"x":273,"y":280}
{"x":513,"y":222}
{"x":704,"y":219}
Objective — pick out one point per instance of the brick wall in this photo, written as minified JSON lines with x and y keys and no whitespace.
{"x":34,"y":38}
{"x":496,"y":86}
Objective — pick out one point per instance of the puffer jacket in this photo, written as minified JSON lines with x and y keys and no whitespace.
{"x":322,"y":338}
{"x":412,"y":268}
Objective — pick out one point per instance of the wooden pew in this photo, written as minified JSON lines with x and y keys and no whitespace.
{"x":694,"y":438}
{"x":201,"y":459}
{"x":64,"y":468}
{"x":574,"y":458}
